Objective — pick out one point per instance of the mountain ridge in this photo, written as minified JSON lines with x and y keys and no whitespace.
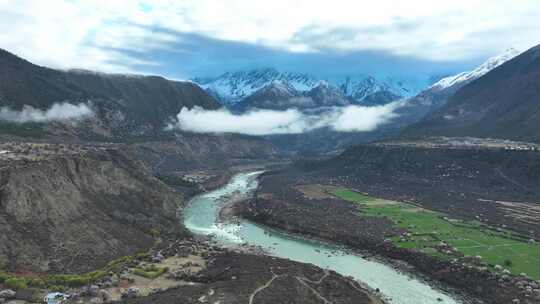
{"x":436,"y":95}
{"x":124,"y":105}
{"x":232,"y":87}
{"x":500,"y":104}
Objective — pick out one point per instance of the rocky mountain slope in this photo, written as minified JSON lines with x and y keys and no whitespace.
{"x":326,"y":95}
{"x":282,"y":96}
{"x":277,"y":95}
{"x":464,"y":78}
{"x":370,"y":91}
{"x":122,"y":105}
{"x":233,"y":87}
{"x":189,"y":151}
{"x":69,"y":208}
{"x":437,"y":95}
{"x":501,"y":104}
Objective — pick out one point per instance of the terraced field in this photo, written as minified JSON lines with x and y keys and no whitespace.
{"x":436,"y":234}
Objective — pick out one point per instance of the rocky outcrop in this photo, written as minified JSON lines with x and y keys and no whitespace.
{"x":74,"y":212}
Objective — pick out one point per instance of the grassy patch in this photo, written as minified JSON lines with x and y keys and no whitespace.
{"x":353,"y":196}
{"x":53,"y":281}
{"x":16,"y":283}
{"x":61,"y":282}
{"x":74,"y":280}
{"x":428,"y":228}
{"x":150,"y":272}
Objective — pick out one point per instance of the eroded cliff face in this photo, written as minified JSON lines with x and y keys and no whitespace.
{"x":74,"y":212}
{"x":199,"y":151}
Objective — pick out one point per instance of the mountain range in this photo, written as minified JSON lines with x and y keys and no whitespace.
{"x":281,"y":95}
{"x":233,"y":87}
{"x":269,"y":88}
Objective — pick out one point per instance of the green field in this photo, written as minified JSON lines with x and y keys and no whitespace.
{"x":428,"y":229}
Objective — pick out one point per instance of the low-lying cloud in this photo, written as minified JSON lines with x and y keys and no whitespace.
{"x":361,"y":119}
{"x":57,"y":112}
{"x":292,"y":121}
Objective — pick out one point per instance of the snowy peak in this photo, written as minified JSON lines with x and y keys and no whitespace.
{"x":279,"y":88}
{"x":358,"y":88}
{"x":280,"y":95}
{"x":494,"y":62}
{"x":324,"y":88}
{"x":466,"y":77}
{"x":325,"y":94}
{"x":275,"y":91}
{"x":277,"y":95}
{"x":231,"y":87}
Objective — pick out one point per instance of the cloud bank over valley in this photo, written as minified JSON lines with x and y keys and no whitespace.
{"x":292,"y":121}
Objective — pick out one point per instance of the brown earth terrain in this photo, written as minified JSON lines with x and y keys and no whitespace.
{"x":195,"y":271}
{"x":456,"y":181}
{"x":70,"y":208}
{"x":235,"y":277}
{"x":462,"y":179}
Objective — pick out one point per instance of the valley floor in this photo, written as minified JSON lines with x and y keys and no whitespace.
{"x":191,"y":270}
{"x":495,"y":265}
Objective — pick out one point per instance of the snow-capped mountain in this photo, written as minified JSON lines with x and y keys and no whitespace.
{"x":363,"y":88}
{"x":503,"y":103}
{"x":277,"y":89}
{"x":233,"y":87}
{"x":435,"y":96}
{"x":280,"y":95}
{"x":480,"y":71}
{"x":326,"y":95}
{"x":275,"y":96}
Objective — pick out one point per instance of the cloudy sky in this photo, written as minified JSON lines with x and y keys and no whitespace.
{"x":182,"y":39}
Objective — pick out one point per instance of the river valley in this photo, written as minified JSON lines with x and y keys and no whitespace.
{"x":202,"y":217}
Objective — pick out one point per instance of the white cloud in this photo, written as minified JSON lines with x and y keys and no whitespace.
{"x":354,"y":118}
{"x":57,"y":112}
{"x":84,"y":33}
{"x":260,"y":122}
{"x":78,"y":34}
{"x":291,"y":121}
